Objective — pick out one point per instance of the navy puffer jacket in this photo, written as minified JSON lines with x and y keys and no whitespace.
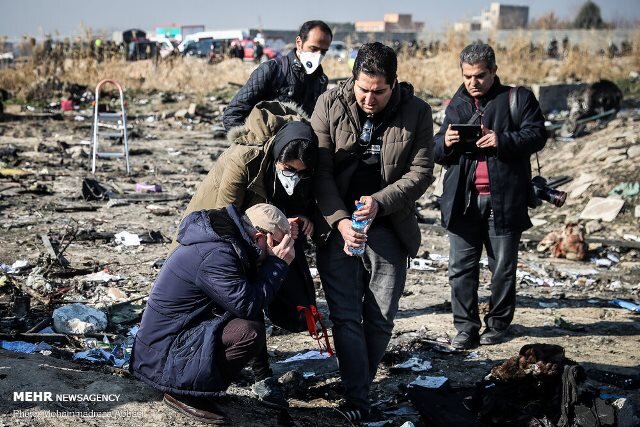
{"x":209,"y":279}
{"x":280,"y":79}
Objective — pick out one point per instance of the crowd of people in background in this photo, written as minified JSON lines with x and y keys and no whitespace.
{"x":107,"y":50}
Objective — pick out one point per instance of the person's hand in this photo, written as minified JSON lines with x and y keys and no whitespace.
{"x":305,"y":224}
{"x":294,"y":228}
{"x":284,"y":250}
{"x":369,"y":210}
{"x":352,"y":239}
{"x":489,"y":139}
{"x":451,"y":136}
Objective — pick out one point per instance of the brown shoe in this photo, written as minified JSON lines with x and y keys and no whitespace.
{"x":194,"y":408}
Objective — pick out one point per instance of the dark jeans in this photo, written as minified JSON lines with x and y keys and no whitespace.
{"x":466,"y":239}
{"x":241,"y":340}
{"x":362,"y":294}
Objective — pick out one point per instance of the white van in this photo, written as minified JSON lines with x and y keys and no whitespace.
{"x":214,"y":35}
{"x":164,"y":44}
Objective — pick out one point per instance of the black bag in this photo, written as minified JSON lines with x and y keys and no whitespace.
{"x":297,"y":290}
{"x":93,"y":190}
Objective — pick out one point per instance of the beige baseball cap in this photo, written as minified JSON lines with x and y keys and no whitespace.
{"x":266,"y":217}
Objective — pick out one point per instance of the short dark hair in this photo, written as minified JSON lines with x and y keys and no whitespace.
{"x":300,"y":149}
{"x":376,"y":59}
{"x":476,"y":53}
{"x":310,"y":25}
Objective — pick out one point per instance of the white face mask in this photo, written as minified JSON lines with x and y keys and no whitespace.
{"x":310,"y":61}
{"x":288,"y":182}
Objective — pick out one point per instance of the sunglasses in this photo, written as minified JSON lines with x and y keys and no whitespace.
{"x":291,"y":172}
{"x":367,"y":131}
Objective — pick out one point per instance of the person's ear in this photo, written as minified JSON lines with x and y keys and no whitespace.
{"x":299,"y":43}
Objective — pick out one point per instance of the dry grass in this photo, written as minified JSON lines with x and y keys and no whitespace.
{"x":439,"y":75}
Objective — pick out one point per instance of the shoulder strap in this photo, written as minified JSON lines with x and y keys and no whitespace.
{"x":515,"y":118}
{"x":475,"y":116}
{"x":479,"y":111}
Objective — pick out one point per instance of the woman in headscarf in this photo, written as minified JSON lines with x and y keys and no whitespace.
{"x":270,"y":160}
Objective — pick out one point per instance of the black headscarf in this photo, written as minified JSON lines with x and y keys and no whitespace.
{"x":291,"y":131}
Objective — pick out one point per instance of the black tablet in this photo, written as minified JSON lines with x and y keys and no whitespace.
{"x":469,"y":135}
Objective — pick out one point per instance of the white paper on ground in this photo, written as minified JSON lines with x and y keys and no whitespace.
{"x":309,"y":355}
{"x":428,"y":382}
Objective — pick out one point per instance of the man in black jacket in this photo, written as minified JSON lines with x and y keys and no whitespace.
{"x":486,"y":184}
{"x":296,"y":77}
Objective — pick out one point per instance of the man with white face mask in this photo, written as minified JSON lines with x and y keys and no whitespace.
{"x":296,"y":77}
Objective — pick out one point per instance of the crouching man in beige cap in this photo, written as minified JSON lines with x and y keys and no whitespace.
{"x":203,"y":320}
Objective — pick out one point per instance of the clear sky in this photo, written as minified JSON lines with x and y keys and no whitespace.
{"x":65,"y":17}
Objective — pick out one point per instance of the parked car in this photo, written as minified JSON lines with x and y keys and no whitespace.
{"x":338,"y":50}
{"x":202,"y":48}
{"x":267,"y":52}
{"x":142,"y":49}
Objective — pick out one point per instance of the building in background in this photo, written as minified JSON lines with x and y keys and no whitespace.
{"x":392,"y":22}
{"x":498,"y":17}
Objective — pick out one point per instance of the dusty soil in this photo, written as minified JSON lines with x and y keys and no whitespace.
{"x":176,"y":152}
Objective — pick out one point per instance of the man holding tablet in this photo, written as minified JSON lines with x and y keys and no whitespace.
{"x":489,"y":133}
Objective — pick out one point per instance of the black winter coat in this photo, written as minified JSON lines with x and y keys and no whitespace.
{"x":279,"y":79}
{"x":509,"y":164}
{"x":206,"y":281}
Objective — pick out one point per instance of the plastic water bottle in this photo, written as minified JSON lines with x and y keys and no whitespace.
{"x":358,"y":226}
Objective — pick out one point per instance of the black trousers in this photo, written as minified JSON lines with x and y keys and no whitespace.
{"x":467,"y":238}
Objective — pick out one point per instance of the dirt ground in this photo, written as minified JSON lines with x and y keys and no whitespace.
{"x":570,"y":306}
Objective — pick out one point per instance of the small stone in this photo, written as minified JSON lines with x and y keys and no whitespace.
{"x":116,"y":294}
{"x":633,"y":151}
{"x":593,"y":226}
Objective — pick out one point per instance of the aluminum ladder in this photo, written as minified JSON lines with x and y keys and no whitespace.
{"x":119,"y":130}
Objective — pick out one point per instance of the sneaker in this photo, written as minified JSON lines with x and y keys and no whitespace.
{"x":353,"y":414}
{"x":492,"y":336}
{"x":204,"y":410}
{"x":465,"y":341}
{"x":269,"y":391}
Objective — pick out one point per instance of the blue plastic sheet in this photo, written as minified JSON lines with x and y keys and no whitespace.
{"x":626,"y":304}
{"x":24,"y":347}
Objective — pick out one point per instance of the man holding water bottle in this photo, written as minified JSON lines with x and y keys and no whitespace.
{"x":375,"y":160}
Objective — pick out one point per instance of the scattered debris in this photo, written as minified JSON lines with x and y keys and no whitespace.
{"x":78,"y":319}
{"x":127,"y":239}
{"x":628,"y":305}
{"x":414,"y":364}
{"x":566,"y":243}
{"x":25,"y":347}
{"x":428,"y":382}
{"x":309,"y":355}
{"x":605,"y":209}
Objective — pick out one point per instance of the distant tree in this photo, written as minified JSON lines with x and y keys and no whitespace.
{"x":589,"y":17}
